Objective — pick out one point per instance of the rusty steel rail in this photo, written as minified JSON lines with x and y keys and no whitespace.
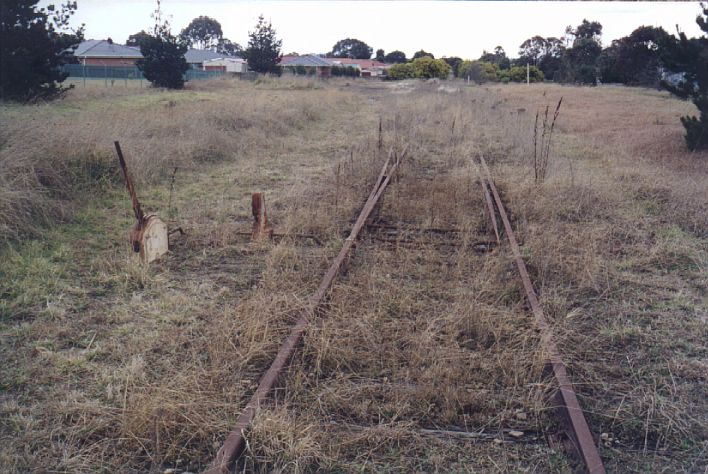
{"x":580,"y":432}
{"x":235,"y":442}
{"x":490,"y":208}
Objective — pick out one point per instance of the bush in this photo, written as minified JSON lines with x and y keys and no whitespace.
{"x":478,"y":71}
{"x":422,"y":68}
{"x":345,"y":71}
{"x":518,"y":74}
{"x":426,"y":67}
{"x":400,"y":71}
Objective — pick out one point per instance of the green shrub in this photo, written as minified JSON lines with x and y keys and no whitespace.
{"x":346,"y":71}
{"x":478,"y":71}
{"x":400,"y":71}
{"x":426,"y":67}
{"x":518,"y":74}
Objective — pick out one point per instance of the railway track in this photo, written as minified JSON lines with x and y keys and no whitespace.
{"x":572,"y":412}
{"x":387,"y":234}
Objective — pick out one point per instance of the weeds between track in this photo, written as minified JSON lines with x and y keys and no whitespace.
{"x":112,"y":366}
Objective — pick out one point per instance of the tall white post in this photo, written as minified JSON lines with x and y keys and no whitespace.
{"x":528,"y":74}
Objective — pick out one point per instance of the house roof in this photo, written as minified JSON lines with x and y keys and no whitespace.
{"x":200,"y":55}
{"x":362,"y":63}
{"x":308,"y":60}
{"x":105,"y":49}
{"x":226,"y":58}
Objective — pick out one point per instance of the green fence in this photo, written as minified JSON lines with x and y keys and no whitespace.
{"x":108,"y":73}
{"x":199,"y":74}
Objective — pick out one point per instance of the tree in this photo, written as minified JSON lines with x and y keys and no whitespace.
{"x":545,"y":53}
{"x":532,"y":50}
{"x":634,"y":59}
{"x":380,"y":55}
{"x":395,"y":57}
{"x":351,"y":48}
{"x":550,"y":62}
{"x":689,"y":57}
{"x":518,"y":74}
{"x":591,"y":30}
{"x":426,"y":67}
{"x":498,"y":57}
{"x":229,"y":48}
{"x":422,"y":53}
{"x":263,"y":51}
{"x":400,"y":71}
{"x":137,"y":38}
{"x":202,"y":33}
{"x":477,"y":71}
{"x":579,"y":63}
{"x":163,"y":62}
{"x":34,"y":44}
{"x":454,"y":62}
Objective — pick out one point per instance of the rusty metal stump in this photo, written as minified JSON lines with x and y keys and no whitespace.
{"x":261,"y":229}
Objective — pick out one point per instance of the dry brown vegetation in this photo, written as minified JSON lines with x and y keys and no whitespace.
{"x":112,"y":366}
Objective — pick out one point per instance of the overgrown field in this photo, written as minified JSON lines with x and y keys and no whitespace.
{"x":112,"y":366}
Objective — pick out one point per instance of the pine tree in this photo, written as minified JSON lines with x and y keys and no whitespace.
{"x":690,"y":57}
{"x":33,"y":48}
{"x":163,"y":62}
{"x":263,"y":52}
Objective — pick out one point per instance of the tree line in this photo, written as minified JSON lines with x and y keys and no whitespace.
{"x":36,"y":41}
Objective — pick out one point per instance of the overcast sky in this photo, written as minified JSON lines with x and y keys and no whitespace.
{"x":443,"y":28}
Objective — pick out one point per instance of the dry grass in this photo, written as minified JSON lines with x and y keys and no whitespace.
{"x":53,"y":151}
{"x":617,"y":242}
{"x":111,"y":366}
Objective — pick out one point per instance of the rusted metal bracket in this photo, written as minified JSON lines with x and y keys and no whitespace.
{"x":578,"y":426}
{"x":235,"y":442}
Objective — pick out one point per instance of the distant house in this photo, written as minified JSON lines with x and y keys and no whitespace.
{"x":368,"y":67}
{"x":227,"y":64}
{"x":322,"y":67}
{"x":106,"y":53}
{"x":197,"y":57}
